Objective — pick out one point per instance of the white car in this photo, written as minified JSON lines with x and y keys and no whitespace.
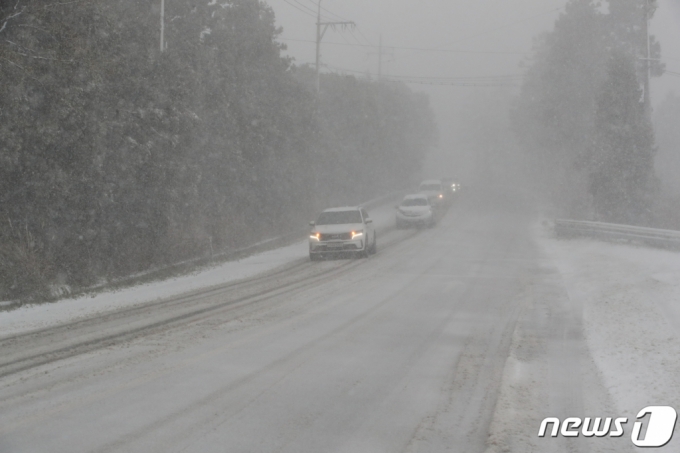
{"x":415,"y":210}
{"x":341,"y":231}
{"x":434,"y":190}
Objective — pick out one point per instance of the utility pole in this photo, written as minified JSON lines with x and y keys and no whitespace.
{"x":318,"y":48}
{"x":381,"y":53}
{"x":162,"y":24}
{"x":321,"y":28}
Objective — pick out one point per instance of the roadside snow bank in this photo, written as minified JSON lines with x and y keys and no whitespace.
{"x":631,"y":316}
{"x":32,"y":317}
{"x":597,"y":336}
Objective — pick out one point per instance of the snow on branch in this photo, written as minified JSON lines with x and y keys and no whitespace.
{"x":24,"y":52}
{"x":12,"y":16}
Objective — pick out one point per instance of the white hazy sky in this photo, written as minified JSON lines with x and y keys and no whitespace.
{"x":480,"y":25}
{"x":493,"y":36}
{"x":469,"y":26}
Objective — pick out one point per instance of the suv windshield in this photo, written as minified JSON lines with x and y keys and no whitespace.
{"x":414,"y":202}
{"x":339,"y":218}
{"x":431,"y":187}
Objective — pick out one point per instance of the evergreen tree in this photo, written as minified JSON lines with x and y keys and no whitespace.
{"x":116,"y":157}
{"x":666,"y":121}
{"x":555,"y":111}
{"x":622,"y":177}
{"x":561,"y":106}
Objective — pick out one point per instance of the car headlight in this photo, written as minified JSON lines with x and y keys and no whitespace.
{"x":441,"y":196}
{"x":315,"y":236}
{"x":356,"y":234}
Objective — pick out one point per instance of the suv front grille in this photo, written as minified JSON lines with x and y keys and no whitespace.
{"x":336,"y":237}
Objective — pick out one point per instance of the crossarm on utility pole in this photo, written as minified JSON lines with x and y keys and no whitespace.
{"x":325,"y":26}
{"x":321,"y":28}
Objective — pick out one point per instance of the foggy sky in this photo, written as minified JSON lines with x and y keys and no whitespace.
{"x":480,"y":25}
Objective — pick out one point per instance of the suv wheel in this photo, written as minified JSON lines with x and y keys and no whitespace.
{"x":365,"y":252}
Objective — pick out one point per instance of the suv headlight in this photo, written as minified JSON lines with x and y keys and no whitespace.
{"x":356,"y":234}
{"x":315,"y":236}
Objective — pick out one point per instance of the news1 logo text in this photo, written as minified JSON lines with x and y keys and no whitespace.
{"x":657,"y":432}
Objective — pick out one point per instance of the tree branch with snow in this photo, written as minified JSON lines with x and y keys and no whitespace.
{"x":12,"y":15}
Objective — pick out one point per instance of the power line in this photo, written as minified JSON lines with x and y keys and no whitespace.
{"x":486,"y":80}
{"x":380,"y":54}
{"x":417,"y":49}
{"x":463,"y":78}
{"x":312,"y":11}
{"x":345,"y":39}
{"x":302,"y":5}
{"x":455,"y":84}
{"x":331,"y":12}
{"x":321,"y":28}
{"x":511,"y":24}
{"x":298,"y":8}
{"x":304,"y":9}
{"x":355,"y":37}
{"x":672,"y":73}
{"x":364,"y":36}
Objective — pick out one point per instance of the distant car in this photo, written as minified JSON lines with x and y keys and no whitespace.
{"x":415,"y":210}
{"x":434,"y":190}
{"x":342,"y":231}
{"x":451,"y":185}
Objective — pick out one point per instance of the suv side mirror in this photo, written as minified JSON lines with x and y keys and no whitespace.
{"x":312,"y":223}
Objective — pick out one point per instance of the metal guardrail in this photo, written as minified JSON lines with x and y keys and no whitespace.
{"x":669,"y":239}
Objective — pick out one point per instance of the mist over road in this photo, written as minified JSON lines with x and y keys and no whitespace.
{"x":405,"y":351}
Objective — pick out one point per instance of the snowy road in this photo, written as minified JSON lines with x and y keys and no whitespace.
{"x":461,"y":338}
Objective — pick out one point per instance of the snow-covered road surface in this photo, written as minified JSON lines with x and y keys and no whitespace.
{"x":461,"y":338}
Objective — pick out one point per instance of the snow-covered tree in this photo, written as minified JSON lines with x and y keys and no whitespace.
{"x":621,"y":166}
